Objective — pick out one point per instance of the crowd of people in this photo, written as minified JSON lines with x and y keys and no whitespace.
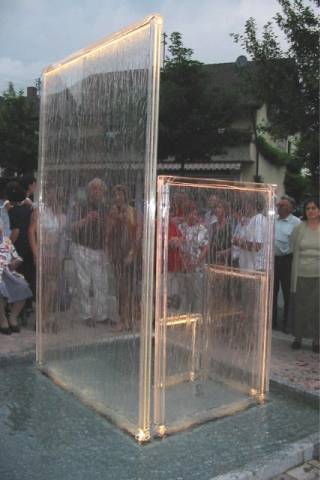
{"x":106,"y":250}
{"x":102,"y":235}
{"x":228,"y":232}
{"x":17,"y":270}
{"x":297,"y":270}
{"x":233,"y":233}
{"x":215,"y":229}
{"x":102,"y":241}
{"x":305,"y":247}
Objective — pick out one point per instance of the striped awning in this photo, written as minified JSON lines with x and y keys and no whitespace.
{"x":209,"y":166}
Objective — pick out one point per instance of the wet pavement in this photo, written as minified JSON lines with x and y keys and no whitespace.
{"x":296,"y":369}
{"x":307,"y":471}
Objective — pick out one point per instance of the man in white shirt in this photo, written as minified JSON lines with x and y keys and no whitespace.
{"x":252,"y":241}
{"x":210,"y":216}
{"x":284,"y":225}
{"x":256,"y":237}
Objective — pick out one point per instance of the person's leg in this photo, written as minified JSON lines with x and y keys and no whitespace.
{"x":82,"y":260}
{"x":275,"y":293}
{"x":173,"y":292}
{"x":197,"y":292}
{"x":296,"y":344}
{"x":316,"y":315}
{"x":104,"y":304}
{"x":126,"y":297}
{"x":16,"y":308}
{"x":285,"y":278}
{"x":299,"y":327}
{"x":28,"y":270}
{"x":186,"y":293}
{"x":4,"y":325}
{"x":118,"y":275}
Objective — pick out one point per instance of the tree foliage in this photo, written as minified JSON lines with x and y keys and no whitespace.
{"x":288,"y":80}
{"x":194,"y":117}
{"x":19,"y":117}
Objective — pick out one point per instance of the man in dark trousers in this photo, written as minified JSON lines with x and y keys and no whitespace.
{"x":284,"y":224}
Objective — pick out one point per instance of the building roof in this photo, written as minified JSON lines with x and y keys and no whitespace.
{"x":227,"y":76}
{"x":208,"y":166}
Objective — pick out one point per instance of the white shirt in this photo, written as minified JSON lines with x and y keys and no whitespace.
{"x":209,"y":219}
{"x":7,"y":253}
{"x":194,"y":239}
{"x":283,"y":231}
{"x":239,"y":234}
{"x":255,"y":232}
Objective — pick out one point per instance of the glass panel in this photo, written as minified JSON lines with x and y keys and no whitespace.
{"x":214,"y":270}
{"x":96,"y":214}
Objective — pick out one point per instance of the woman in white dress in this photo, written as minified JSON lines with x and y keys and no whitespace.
{"x":13,"y":287}
{"x":52,"y":228}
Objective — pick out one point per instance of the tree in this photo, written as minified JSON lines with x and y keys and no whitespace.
{"x":288,"y":81}
{"x":179,"y":53}
{"x":19,"y":119}
{"x":193,"y":114}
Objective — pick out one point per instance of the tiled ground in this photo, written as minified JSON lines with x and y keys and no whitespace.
{"x":307,"y":471}
{"x":298,"y":369}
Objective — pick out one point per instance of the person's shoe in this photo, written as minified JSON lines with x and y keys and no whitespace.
{"x":90,"y":322}
{"x":24,"y":318}
{"x":15,"y":328}
{"x":55,"y":328}
{"x":296,"y":344}
{"x":315,"y":348}
{"x":5,"y":330}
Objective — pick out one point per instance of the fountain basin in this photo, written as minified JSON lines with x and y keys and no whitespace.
{"x":45,"y":432}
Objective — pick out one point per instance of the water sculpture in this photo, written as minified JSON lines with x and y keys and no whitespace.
{"x":214,"y":285}
{"x":96,"y":333}
{"x":98,"y":137}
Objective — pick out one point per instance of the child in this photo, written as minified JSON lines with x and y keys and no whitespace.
{"x":13,"y":287}
{"x":194,"y":249}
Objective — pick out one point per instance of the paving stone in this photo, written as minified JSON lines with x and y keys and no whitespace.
{"x":304,"y":472}
{"x":283,"y":476}
{"x":316,"y":451}
{"x":297,"y":369}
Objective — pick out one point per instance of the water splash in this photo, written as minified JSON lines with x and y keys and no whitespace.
{"x":96,"y":228}
{"x":214,"y":275}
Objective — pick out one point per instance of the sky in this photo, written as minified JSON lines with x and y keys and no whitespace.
{"x":37,"y":33}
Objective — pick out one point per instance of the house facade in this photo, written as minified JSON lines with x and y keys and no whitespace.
{"x":243,"y":162}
